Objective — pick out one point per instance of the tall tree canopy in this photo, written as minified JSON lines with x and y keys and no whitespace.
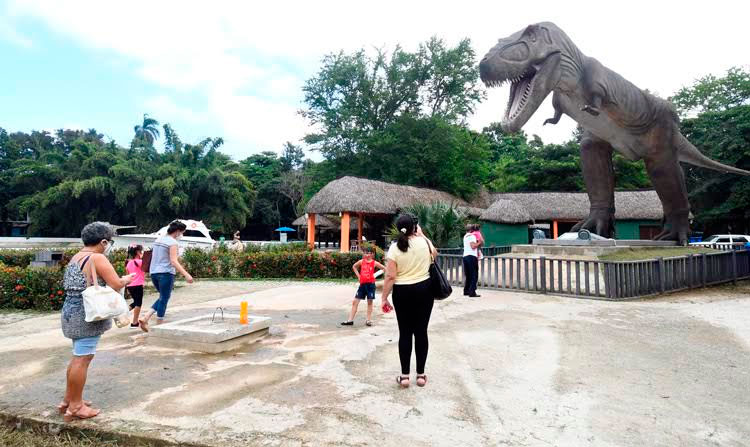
{"x":397,"y":105}
{"x":720,"y":128}
{"x":69,"y":179}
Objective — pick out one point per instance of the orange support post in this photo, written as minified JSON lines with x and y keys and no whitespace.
{"x":554,"y":229}
{"x":311,"y":230}
{"x":345,"y":223}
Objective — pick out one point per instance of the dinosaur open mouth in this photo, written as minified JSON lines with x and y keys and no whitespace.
{"x":520,"y":91}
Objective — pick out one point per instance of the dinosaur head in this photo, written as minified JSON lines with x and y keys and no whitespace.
{"x":529,"y":60}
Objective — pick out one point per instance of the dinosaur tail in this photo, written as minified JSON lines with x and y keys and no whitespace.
{"x":690,"y":154}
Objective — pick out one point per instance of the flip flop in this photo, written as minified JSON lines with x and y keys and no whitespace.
{"x":83,"y":412}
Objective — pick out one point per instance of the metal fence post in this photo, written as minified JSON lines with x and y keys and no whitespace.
{"x":543,"y":273}
{"x":734,"y":267}
{"x":662,"y":274}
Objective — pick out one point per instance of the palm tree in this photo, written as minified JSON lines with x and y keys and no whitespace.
{"x":148,"y":131}
{"x":442,"y":222}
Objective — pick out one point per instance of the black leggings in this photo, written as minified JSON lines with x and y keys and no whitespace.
{"x":413,"y":304}
{"x":136,"y":292}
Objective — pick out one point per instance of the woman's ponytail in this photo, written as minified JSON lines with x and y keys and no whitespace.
{"x":406,"y":225}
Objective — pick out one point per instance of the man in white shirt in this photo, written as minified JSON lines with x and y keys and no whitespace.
{"x":471,"y":262}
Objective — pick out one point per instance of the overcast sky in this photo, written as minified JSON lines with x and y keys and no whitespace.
{"x":235,"y":69}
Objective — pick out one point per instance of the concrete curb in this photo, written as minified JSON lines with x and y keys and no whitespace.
{"x":26,"y":423}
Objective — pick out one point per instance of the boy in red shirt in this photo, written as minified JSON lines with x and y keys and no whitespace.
{"x":365,"y":271}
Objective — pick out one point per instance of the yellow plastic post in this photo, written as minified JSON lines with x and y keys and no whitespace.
{"x":243,"y":312}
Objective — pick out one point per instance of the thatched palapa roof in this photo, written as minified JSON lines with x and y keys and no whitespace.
{"x":506,"y":211}
{"x":360,"y":195}
{"x":629,"y":205}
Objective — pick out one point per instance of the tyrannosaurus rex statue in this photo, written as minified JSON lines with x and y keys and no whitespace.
{"x":613,"y":113}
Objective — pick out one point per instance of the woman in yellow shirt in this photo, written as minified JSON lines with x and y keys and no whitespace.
{"x":407,"y":274}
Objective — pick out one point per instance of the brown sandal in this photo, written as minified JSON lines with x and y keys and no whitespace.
{"x":421,"y":380}
{"x":62,"y":407}
{"x":83,"y":412}
{"x":401,"y":379}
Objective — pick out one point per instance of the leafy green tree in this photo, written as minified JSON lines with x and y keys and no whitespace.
{"x":714,"y":94}
{"x":292,"y":157}
{"x":429,"y":152}
{"x":365,"y":106}
{"x":272,"y":209}
{"x":720,"y":127}
{"x":67,"y":180}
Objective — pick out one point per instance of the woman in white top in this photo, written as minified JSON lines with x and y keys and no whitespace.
{"x":407,"y":274}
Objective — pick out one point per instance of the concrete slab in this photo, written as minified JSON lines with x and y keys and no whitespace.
{"x":504,"y":369}
{"x":210,"y":328}
{"x":208,"y":347}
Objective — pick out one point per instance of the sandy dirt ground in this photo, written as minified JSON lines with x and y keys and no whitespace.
{"x":505,"y":369}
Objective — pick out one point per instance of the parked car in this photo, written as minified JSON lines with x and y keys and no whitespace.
{"x":724,"y":239}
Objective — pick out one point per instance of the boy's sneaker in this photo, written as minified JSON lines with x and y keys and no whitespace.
{"x":347,"y":323}
{"x":368,"y":322}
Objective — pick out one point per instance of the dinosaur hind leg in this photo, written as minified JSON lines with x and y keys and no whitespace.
{"x":599,"y":176}
{"x":669,"y":181}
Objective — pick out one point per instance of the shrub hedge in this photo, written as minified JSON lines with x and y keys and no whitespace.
{"x":23,"y":287}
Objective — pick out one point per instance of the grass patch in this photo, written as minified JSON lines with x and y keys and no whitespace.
{"x":24,"y":438}
{"x":639,"y":254}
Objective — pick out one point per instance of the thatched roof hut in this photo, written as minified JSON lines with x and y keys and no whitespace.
{"x":321,"y":222}
{"x":471,"y":211}
{"x":629,"y":205}
{"x":506,"y":211}
{"x":358,"y":195}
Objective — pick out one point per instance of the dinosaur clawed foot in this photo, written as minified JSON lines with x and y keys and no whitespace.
{"x":669,"y":234}
{"x":599,"y":222}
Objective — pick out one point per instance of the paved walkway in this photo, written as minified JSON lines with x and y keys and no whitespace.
{"x":505,"y":369}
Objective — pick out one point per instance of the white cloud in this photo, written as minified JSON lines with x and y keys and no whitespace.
{"x":248,"y":60}
{"x":8,"y":33}
{"x":163,"y":105}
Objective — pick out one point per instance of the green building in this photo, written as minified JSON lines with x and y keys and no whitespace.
{"x":505,"y":222}
{"x":638,"y":215}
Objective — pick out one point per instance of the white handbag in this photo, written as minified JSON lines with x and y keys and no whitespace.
{"x":102,"y":303}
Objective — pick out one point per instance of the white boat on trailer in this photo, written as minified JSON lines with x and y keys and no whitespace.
{"x":196,"y":235}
